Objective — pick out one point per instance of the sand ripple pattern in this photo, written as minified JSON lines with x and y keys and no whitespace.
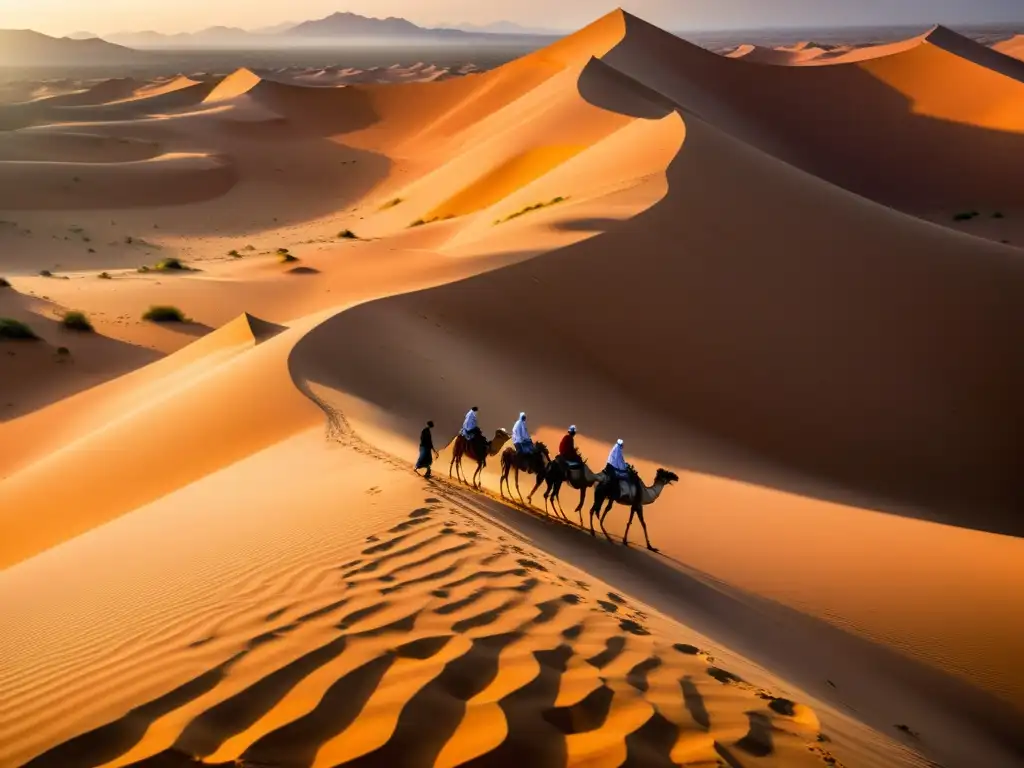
{"x":447,"y":644}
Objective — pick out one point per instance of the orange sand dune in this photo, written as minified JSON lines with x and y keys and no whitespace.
{"x":1013,"y":47}
{"x":170,"y":179}
{"x":620,"y":231}
{"x":104,"y":92}
{"x":946,"y":97}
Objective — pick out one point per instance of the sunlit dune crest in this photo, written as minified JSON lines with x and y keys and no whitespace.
{"x":787,"y":278}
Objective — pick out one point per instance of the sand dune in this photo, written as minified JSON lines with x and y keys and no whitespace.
{"x":939,"y":98}
{"x":1012,"y":47}
{"x":624,"y":231}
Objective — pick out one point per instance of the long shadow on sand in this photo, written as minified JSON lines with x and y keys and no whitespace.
{"x":879,"y":684}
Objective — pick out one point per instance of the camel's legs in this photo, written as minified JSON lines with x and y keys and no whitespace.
{"x":640,"y":514}
{"x":529,"y":497}
{"x":517,"y":488}
{"x":583,"y":498}
{"x":601,"y":518}
{"x":625,"y":535}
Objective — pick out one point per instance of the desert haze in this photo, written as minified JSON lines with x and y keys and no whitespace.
{"x":787,"y":276}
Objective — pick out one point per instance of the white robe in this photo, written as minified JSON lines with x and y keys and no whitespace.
{"x":469,"y":423}
{"x":519,"y":433}
{"x":616,"y":459}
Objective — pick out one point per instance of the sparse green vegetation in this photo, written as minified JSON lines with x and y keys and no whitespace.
{"x":104,"y":276}
{"x":170,"y":265}
{"x":421,"y":222}
{"x":282,"y":251}
{"x":165,"y":314}
{"x":15,"y":329}
{"x":347,"y":234}
{"x":531,"y":208}
{"x":63,"y":352}
{"x":965,"y":215}
{"x":76,"y":321}
{"x":45,"y":273}
{"x":286,"y":258}
{"x":391,"y":203}
{"x":235,"y":254}
{"x":143,"y":268}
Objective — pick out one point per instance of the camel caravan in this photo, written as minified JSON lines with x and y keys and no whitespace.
{"x":617,"y":483}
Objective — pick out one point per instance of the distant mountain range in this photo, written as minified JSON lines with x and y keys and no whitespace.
{"x":25,"y":48}
{"x":337,"y":26}
{"x":505,"y":28}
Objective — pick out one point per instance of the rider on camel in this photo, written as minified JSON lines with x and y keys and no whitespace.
{"x":616,"y":469}
{"x":567,"y":452}
{"x":470,"y":430}
{"x":521,"y":437}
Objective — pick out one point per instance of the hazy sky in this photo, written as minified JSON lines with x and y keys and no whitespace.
{"x":102,"y":16}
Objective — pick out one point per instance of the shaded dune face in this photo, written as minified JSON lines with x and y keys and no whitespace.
{"x":937,"y":126}
{"x":884,"y":360}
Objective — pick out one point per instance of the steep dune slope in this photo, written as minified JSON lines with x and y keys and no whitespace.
{"x":913,"y":396}
{"x":945,"y":127}
{"x":1013,"y":47}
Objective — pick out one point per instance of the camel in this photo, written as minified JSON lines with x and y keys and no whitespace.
{"x":628,"y":493}
{"x":463,"y":448}
{"x":578,"y":476}
{"x":534,"y":463}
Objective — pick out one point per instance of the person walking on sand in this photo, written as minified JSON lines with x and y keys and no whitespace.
{"x":427,"y":452}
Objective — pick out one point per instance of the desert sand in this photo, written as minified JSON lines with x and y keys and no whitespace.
{"x":216,"y":551}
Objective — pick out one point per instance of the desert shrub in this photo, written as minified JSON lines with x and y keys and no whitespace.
{"x":4,"y":283}
{"x":45,"y":273}
{"x":418,"y":223}
{"x":282,"y":251}
{"x":347,"y":234}
{"x":76,"y":321}
{"x":964,"y":215}
{"x":530,"y":208}
{"x":998,"y":215}
{"x":169,"y":265}
{"x":235,"y":253}
{"x":286,"y":258}
{"x":104,"y":276}
{"x":391,"y":203}
{"x":164,"y":314}
{"x":249,"y":248}
{"x":143,"y":268}
{"x":15,"y":329}
{"x":63,"y":352}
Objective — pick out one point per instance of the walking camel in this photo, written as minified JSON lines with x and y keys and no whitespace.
{"x":578,"y":476}
{"x":633,"y":494}
{"x":479,"y":450}
{"x":533,"y":463}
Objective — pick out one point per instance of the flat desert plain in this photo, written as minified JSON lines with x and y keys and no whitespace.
{"x":791,"y":277}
